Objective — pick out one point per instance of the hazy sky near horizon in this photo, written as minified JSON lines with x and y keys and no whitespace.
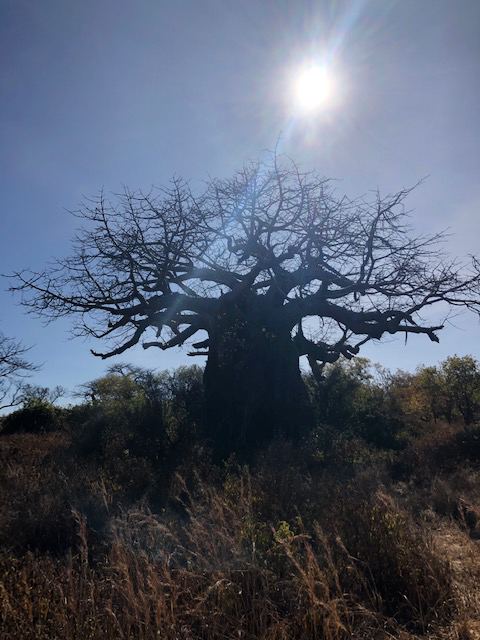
{"x":103,"y":93}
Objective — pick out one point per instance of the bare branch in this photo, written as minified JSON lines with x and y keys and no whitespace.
{"x":271,"y":245}
{"x":14,"y":368}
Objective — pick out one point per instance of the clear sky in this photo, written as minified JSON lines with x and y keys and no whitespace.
{"x":102,"y":93}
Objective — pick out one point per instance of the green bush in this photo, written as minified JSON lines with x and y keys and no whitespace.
{"x":35,"y":417}
{"x":349,"y":404}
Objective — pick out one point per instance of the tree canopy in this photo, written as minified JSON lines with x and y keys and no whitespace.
{"x":242,"y":264}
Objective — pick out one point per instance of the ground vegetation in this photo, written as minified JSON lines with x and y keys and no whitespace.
{"x":114,"y":524}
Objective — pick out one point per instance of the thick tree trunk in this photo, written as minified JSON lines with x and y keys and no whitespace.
{"x":254,"y":389}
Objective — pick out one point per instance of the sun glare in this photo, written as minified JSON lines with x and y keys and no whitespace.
{"x":313,"y":88}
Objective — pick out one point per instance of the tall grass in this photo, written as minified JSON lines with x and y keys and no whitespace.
{"x":231,"y":561}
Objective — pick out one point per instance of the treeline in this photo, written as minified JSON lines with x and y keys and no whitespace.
{"x":357,"y":398}
{"x":137,"y":429}
{"x":165,"y":411}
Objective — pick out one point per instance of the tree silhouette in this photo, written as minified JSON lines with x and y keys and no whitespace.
{"x":13,"y":369}
{"x":244,"y":263}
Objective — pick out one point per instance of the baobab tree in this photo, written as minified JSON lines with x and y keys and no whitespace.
{"x":264,"y":267}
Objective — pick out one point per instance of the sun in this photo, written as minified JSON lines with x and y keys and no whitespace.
{"x":313,"y":88}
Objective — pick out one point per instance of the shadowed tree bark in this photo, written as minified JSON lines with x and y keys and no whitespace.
{"x":244,"y":263}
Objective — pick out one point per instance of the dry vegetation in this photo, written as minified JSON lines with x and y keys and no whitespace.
{"x":278,"y":552}
{"x":342,"y":536}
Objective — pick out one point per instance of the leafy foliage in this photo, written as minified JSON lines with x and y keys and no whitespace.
{"x":350,"y":403}
{"x":34,"y":417}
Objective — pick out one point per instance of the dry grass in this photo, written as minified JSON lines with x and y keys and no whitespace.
{"x":130,"y":596}
{"x":280,"y":553}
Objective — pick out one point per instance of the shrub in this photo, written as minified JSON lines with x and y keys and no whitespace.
{"x":35,"y":417}
{"x":349,"y":403}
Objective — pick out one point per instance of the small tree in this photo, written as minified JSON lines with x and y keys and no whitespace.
{"x":429,"y":385}
{"x":462,"y":384}
{"x":13,"y":370}
{"x":35,"y":394}
{"x":244,"y":263}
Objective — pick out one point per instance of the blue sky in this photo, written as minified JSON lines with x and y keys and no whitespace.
{"x":101,"y":93}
